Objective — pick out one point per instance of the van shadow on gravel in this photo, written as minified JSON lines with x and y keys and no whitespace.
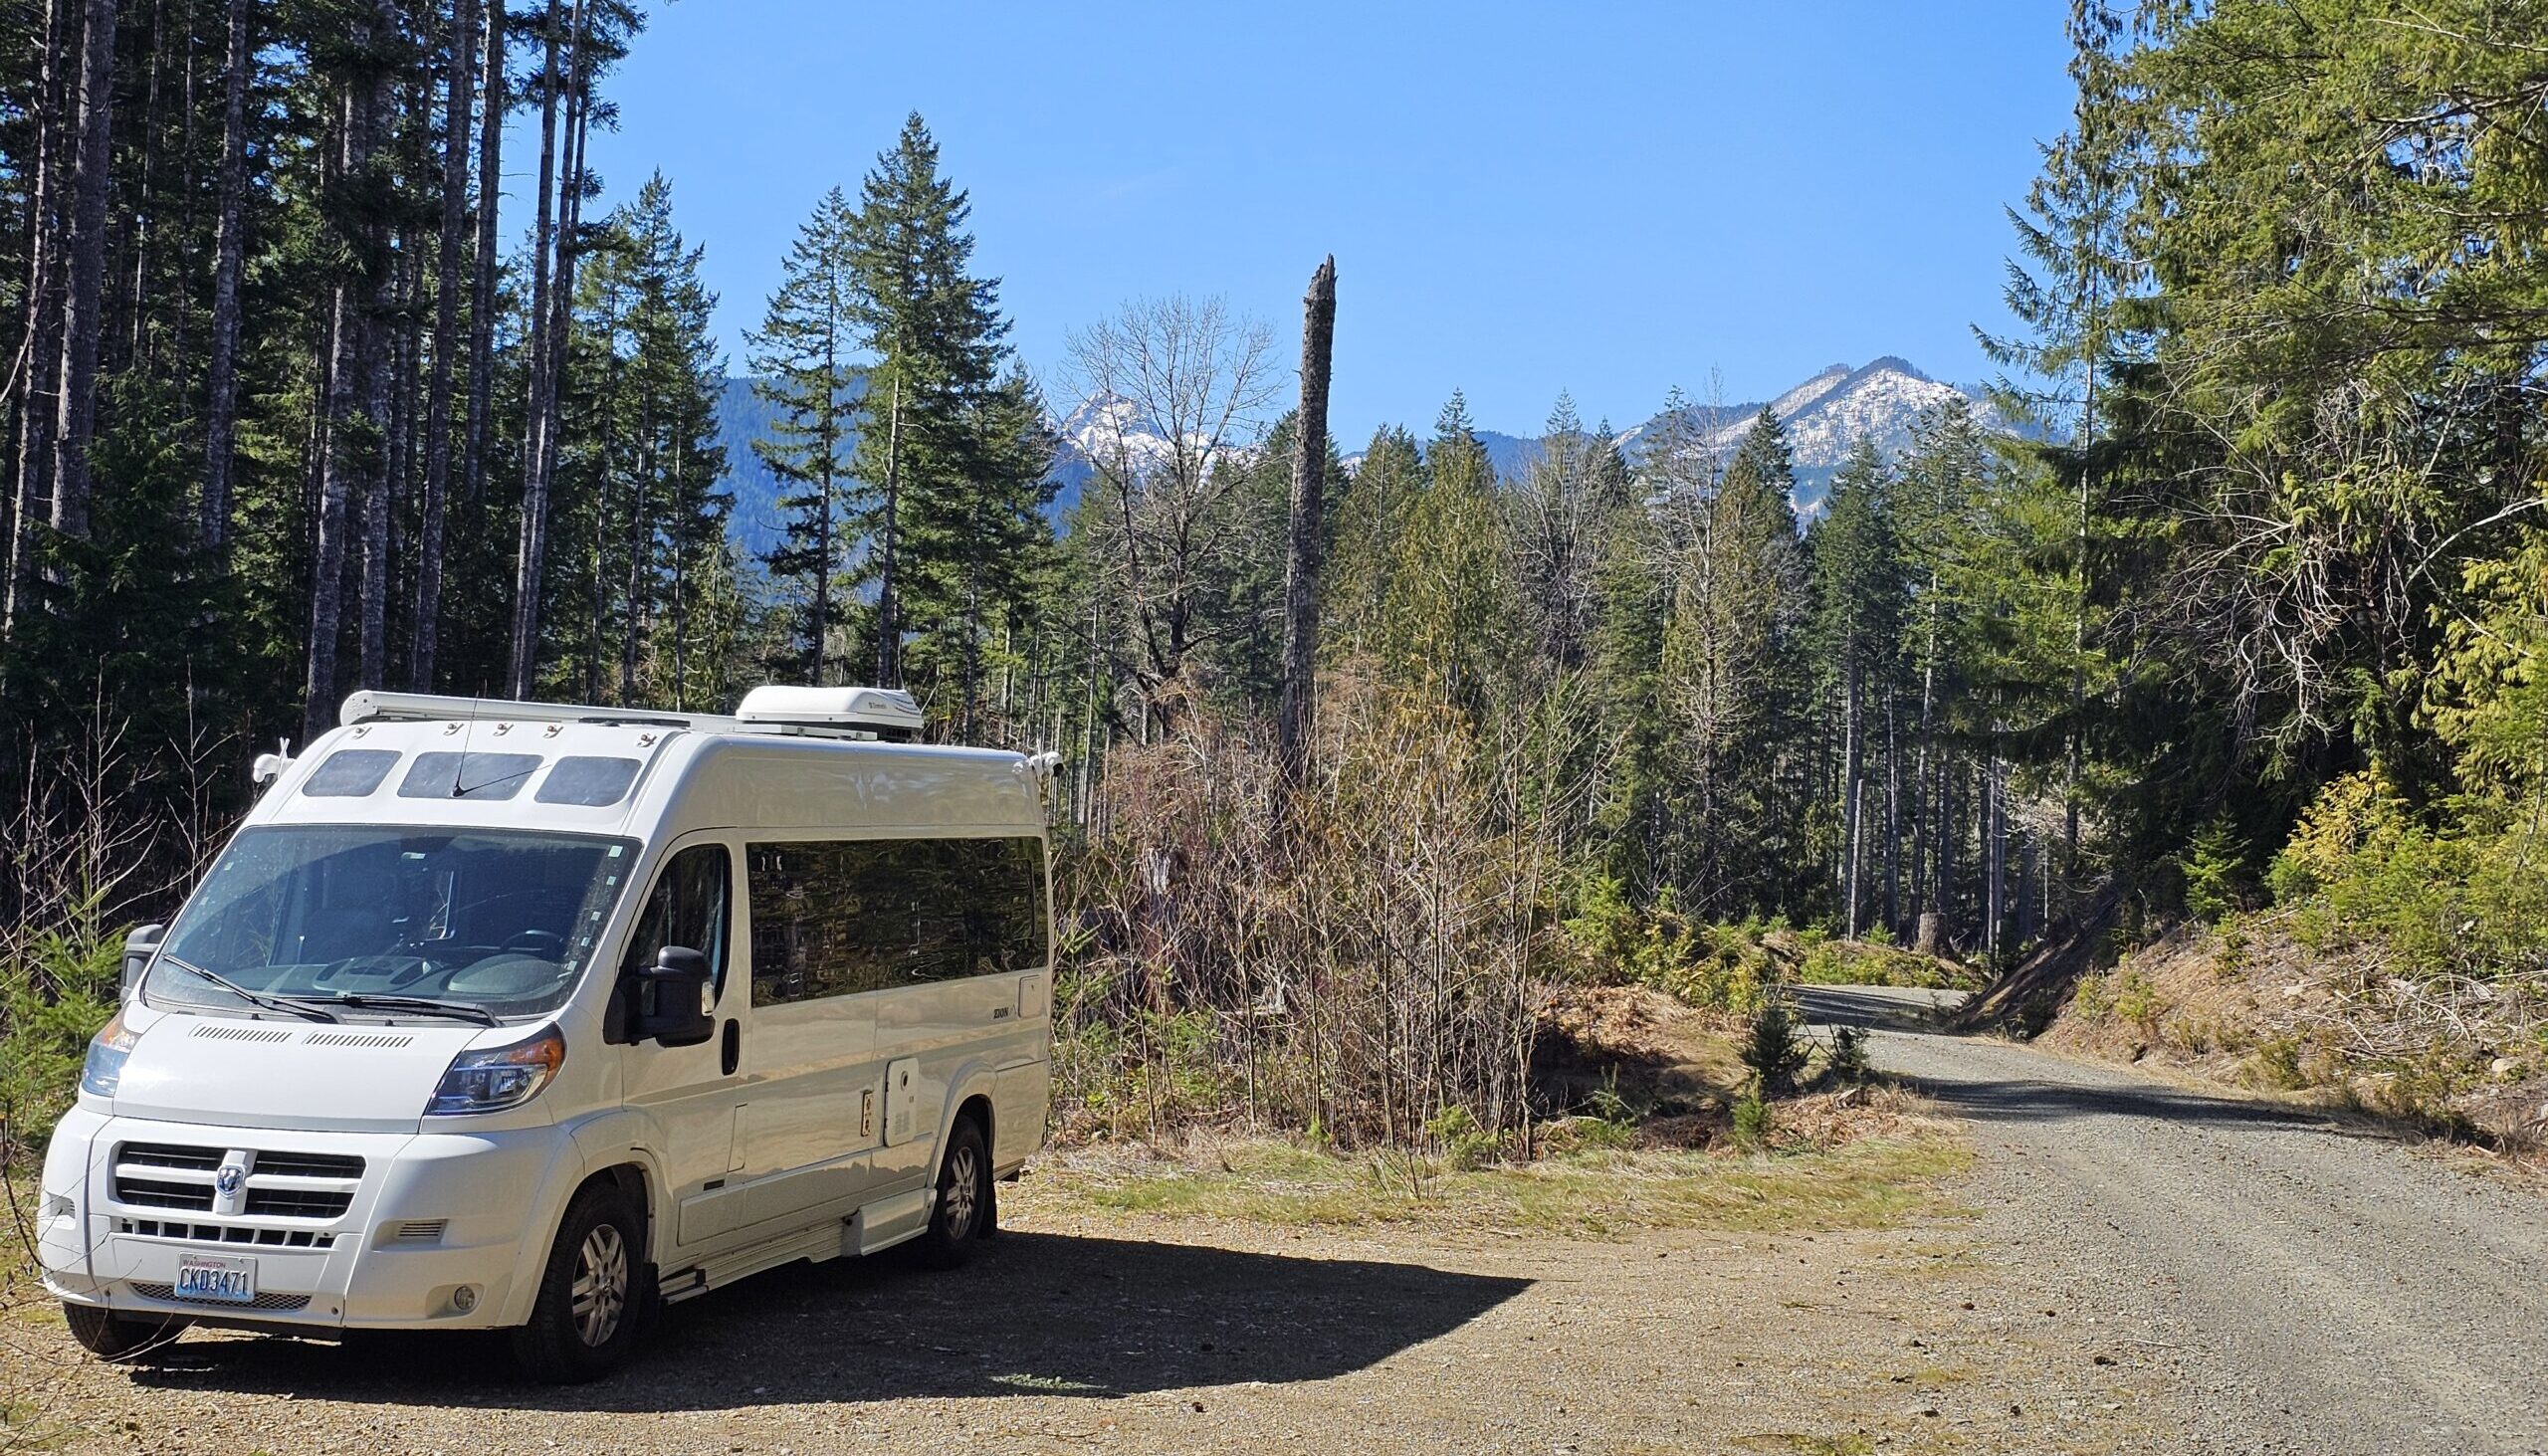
{"x":1034,"y":1314}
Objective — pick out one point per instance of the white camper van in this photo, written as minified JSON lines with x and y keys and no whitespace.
{"x":524,"y":1016}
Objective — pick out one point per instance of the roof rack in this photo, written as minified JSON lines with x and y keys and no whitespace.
{"x":829,"y":713}
{"x":377,"y":707}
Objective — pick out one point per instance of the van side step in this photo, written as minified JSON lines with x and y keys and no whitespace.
{"x":815,"y":1244}
{"x":870,"y":1229}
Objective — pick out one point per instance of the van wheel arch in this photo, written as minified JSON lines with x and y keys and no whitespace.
{"x":608,"y":1226}
{"x":978,"y":1109}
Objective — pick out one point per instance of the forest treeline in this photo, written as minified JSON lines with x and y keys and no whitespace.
{"x":2233,"y":593}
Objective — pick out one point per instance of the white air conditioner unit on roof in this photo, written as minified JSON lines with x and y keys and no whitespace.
{"x":885,"y":711}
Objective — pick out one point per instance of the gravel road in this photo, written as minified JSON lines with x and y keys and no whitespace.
{"x":2310,"y":1284}
{"x":1129,"y":1334}
{"x":2146,"y":1270}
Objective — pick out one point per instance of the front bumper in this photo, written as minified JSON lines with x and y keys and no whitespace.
{"x":433,"y":1236}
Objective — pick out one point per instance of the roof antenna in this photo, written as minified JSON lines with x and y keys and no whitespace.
{"x":460,"y":770}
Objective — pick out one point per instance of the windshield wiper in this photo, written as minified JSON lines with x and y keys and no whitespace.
{"x":423,"y":1005}
{"x":284,"y":1004}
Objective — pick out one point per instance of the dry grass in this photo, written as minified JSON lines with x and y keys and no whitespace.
{"x":1666,"y":1059}
{"x":2244,"y":1005}
{"x":1887,"y":1169}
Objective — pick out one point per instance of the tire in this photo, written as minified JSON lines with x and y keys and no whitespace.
{"x":109,"y":1336}
{"x":597,"y":1294}
{"x":962,"y":1209}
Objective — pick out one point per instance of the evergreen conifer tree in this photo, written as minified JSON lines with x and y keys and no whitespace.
{"x":802,"y":358}
{"x":937,"y":343}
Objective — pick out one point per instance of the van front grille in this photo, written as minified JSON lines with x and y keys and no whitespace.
{"x":160,"y":1154}
{"x":150,"y":1193}
{"x":169,"y":1292}
{"x":310,"y":1165}
{"x":225,"y":1233}
{"x":279,"y":1185}
{"x":296,"y":1203}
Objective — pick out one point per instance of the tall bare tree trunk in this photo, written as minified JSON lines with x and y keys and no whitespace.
{"x":447,"y":284}
{"x":221,"y":403}
{"x":888,"y":634}
{"x":1309,"y":504}
{"x":532,"y":542}
{"x":1853,"y":797}
{"x":482,"y":286}
{"x":353,"y":456}
{"x":680,"y":488}
{"x":822,"y":606}
{"x":38,"y":370}
{"x":635,"y":606}
{"x":389,"y":402}
{"x":85,"y":278}
{"x":1995,"y":850}
{"x":328,"y":554}
{"x":2091,"y":343}
{"x":136,"y":217}
{"x":1892,"y":816}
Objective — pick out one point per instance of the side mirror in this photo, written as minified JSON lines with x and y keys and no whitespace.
{"x":139,"y":945}
{"x":675,"y":999}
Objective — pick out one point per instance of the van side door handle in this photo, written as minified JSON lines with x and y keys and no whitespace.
{"x":732,"y":1051}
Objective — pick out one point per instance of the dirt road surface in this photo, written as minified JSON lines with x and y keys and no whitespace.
{"x":2307,"y":1283}
{"x":2129,"y":1268}
{"x":1074,"y":1332}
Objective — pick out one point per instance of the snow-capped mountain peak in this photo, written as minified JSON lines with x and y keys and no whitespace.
{"x":1824,"y":417}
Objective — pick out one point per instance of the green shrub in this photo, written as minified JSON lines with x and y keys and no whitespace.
{"x":1461,"y":1141}
{"x":1775,"y":1047}
{"x":1824,"y":964}
{"x":1607,"y":1104}
{"x":1848,"y":1059}
{"x":55,"y":993}
{"x":2089,"y":1000}
{"x":1719,"y":968}
{"x":2139,"y":1002}
{"x":2277,"y":1065}
{"x":2216,"y":871}
{"x":1751,"y":1122}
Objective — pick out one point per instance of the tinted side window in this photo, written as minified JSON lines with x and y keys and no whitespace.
{"x":835,"y":918}
{"x":590,"y":781}
{"x":807,"y":918}
{"x":686,"y":908}
{"x":467,"y":775}
{"x":349,"y":773}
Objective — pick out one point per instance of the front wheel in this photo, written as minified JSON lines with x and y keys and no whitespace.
{"x":109,"y":1336}
{"x":963,"y":1202}
{"x":594,"y":1293}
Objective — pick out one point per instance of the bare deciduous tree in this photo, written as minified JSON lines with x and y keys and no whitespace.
{"x":1174,"y":387}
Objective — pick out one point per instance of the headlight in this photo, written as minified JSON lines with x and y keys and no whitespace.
{"x":106,"y":1050}
{"x":505,"y":1077}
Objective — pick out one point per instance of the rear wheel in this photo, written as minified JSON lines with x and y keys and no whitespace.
{"x":110,"y":1336}
{"x":963,"y":1203}
{"x":594,"y":1294}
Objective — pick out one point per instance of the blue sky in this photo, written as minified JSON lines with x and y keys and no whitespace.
{"x":1611,"y":199}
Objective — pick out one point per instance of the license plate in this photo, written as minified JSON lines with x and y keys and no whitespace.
{"x":217,"y":1278}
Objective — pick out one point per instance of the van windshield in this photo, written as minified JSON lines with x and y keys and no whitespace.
{"x":392,"y":924}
